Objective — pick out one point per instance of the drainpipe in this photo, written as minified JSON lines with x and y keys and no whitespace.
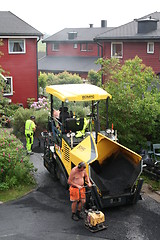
{"x":102,"y":50}
{"x":37,"y":67}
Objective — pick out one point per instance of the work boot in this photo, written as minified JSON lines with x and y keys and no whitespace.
{"x":79,"y":215}
{"x":30,"y":152}
{"x":74,"y":217}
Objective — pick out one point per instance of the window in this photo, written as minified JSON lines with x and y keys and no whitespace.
{"x":8,"y":90}
{"x":75,"y":45}
{"x":117,"y":50}
{"x":55,"y":47}
{"x":89,"y":47}
{"x":86,"y":47}
{"x":83,"y":47}
{"x":150,"y":47}
{"x":17,"y":46}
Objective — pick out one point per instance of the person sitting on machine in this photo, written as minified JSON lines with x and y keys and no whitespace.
{"x":66,"y":113}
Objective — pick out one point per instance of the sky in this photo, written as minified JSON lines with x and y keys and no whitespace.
{"x":50,"y":16}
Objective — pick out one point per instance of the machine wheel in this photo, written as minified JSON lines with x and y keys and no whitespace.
{"x":137,"y":195}
{"x":61,"y":176}
{"x":63,"y":180}
{"x":57,"y":171}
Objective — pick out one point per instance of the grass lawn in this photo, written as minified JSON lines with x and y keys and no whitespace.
{"x":155,"y":185}
{"x":13,"y":194}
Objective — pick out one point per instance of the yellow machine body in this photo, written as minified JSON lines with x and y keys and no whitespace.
{"x":95,"y":217}
{"x":112,"y":168}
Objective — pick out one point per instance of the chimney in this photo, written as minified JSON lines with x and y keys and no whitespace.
{"x":103,"y":23}
{"x":91,"y":25}
{"x":147,"y":25}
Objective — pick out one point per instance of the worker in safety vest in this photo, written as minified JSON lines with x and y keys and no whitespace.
{"x":82,"y":132}
{"x":30,"y":128}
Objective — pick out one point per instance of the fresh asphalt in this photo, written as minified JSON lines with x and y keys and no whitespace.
{"x":45,"y":214}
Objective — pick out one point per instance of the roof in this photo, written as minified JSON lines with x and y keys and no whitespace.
{"x":71,"y":64}
{"x":83,"y":34}
{"x":41,"y":54}
{"x":11,"y":25}
{"x":130,"y":30}
{"x":77,"y":92}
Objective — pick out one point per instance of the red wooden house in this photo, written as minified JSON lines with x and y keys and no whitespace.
{"x":76,"y":49}
{"x":140,"y":37}
{"x":19,"y":59}
{"x":72,"y":50}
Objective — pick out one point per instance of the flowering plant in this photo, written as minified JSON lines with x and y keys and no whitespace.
{"x":42,"y":103}
{"x":15,"y":168}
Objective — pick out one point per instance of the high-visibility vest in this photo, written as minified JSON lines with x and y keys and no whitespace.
{"x":82,"y":132}
{"x":29,"y":126}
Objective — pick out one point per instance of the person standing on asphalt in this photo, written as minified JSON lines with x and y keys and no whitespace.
{"x":77,"y":191}
{"x":30,"y":128}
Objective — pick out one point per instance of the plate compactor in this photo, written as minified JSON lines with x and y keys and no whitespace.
{"x":94,"y":220}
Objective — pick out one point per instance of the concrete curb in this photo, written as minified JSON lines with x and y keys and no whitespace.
{"x":157,"y":192}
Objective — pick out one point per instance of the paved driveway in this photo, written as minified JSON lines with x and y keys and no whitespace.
{"x":45,"y":213}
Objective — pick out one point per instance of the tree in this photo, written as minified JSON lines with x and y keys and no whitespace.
{"x":134,"y":108}
{"x":42,"y":81}
{"x":64,"y":78}
{"x":61,"y":78}
{"x":1,"y":79}
{"x":2,"y":84}
{"x":94,"y":78}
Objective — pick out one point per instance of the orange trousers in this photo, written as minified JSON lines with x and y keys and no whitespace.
{"x":77,"y":194}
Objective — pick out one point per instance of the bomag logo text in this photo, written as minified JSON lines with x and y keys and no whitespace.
{"x":81,"y":148}
{"x":88,"y":97}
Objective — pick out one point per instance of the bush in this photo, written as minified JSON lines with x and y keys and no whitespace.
{"x":52,"y":79}
{"x":63,"y":78}
{"x":8,"y":108}
{"x":15,"y":168}
{"x":20,"y":117}
{"x":94,"y":78}
{"x":135,"y":106}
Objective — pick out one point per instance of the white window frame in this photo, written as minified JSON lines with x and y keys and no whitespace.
{"x":148,"y":47}
{"x":53,"y":47}
{"x":86,"y":49}
{"x":75,"y":45}
{"x":11,"y":86}
{"x":116,"y":55}
{"x":83,"y":49}
{"x":11,"y":45}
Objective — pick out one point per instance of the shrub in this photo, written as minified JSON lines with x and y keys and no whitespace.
{"x":20,"y":117}
{"x":94,"y":78}
{"x":63,"y":78}
{"x":134,"y":108}
{"x":30,"y":101}
{"x":15,"y":168}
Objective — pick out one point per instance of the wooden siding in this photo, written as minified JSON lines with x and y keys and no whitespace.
{"x":131,"y":49}
{"x":67,"y":49}
{"x":23,"y":69}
